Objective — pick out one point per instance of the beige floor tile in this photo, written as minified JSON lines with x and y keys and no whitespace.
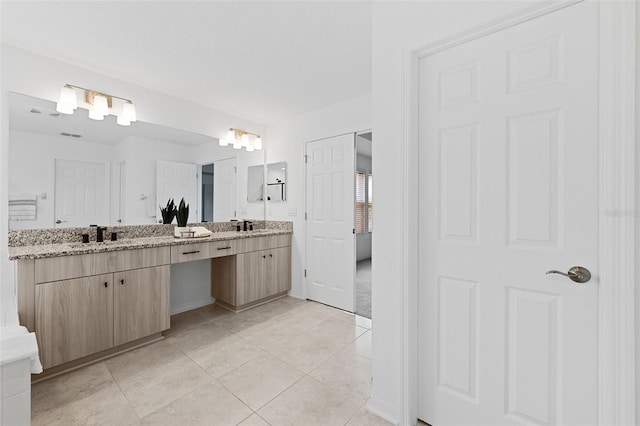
{"x":271,"y":332}
{"x":218,"y":361}
{"x":309,"y":403}
{"x":69,"y":387}
{"x":362,"y":345}
{"x":274,"y":308}
{"x":303,"y":318}
{"x":213,"y":312}
{"x":142,"y":359}
{"x":108,"y":406}
{"x":347,"y":373}
{"x":185,"y":320}
{"x":238,"y":322}
{"x":336,"y":331}
{"x":352,"y":319}
{"x":194,"y":338}
{"x":294,"y":301}
{"x":366,"y":418}
{"x":210,"y":404}
{"x":305,"y":352}
{"x":254,"y":420}
{"x":156,"y":388}
{"x":260,"y":380}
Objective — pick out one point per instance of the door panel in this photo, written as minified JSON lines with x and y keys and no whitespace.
{"x":225,"y":184}
{"x":80,"y":194}
{"x":330,"y":221}
{"x":508,"y":191}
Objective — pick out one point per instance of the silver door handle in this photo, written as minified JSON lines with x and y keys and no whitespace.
{"x":578,"y":274}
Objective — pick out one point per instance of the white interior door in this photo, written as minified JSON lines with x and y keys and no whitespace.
{"x":225,"y":189}
{"x":81,"y":197}
{"x":177,"y":180}
{"x":330,"y":221}
{"x":508,"y":191}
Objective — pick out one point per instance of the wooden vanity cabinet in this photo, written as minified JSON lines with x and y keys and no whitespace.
{"x":254,"y":276}
{"x":141,"y":303}
{"x":74,"y":318}
{"x":79,"y":317}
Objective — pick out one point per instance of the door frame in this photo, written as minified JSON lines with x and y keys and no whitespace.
{"x":617,"y":204}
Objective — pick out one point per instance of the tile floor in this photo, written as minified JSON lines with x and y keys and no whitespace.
{"x":289,"y":362}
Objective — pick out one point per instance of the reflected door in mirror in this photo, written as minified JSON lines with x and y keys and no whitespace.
{"x":80,"y":193}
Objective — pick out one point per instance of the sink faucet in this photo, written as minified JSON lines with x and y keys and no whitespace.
{"x":99,"y":233}
{"x":246,"y":222}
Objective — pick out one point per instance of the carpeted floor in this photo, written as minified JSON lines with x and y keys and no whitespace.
{"x":363,"y":288}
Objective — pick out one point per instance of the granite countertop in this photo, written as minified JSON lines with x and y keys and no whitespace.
{"x":67,"y":249}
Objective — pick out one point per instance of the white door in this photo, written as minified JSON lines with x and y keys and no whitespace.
{"x":508,"y":191}
{"x":81,"y":197}
{"x":225,"y":187}
{"x":177,"y":180}
{"x":330,"y":221}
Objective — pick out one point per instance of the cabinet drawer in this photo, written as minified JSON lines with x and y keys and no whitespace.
{"x":189,"y":252}
{"x":246,"y":245}
{"x":222,"y":248}
{"x":76,"y":266}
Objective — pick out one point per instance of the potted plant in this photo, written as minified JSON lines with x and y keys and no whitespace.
{"x":168,"y":212}
{"x":182,"y":215}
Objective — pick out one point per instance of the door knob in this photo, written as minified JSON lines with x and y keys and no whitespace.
{"x":578,"y":274}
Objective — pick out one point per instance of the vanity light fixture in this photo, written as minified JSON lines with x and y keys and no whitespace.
{"x":242,"y":139}
{"x":99,"y":104}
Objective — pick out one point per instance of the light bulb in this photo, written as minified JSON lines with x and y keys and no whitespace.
{"x":249,"y":147}
{"x":257,"y":144}
{"x":223,"y":142}
{"x":237,"y":145}
{"x":95,"y":115}
{"x":244,"y":140}
{"x":231,"y":137}
{"x":68,"y":101}
{"x":100,"y":105}
{"x":129,"y":112}
{"x":121,"y":120}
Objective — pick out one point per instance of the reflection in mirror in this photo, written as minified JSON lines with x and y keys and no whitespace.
{"x":276,"y":182}
{"x":69,"y":170}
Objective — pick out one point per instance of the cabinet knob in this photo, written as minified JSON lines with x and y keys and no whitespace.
{"x":106,"y":284}
{"x":122,"y":282}
{"x":264,"y":256}
{"x":270,"y":255}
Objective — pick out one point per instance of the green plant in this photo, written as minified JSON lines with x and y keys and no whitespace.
{"x":168,"y":212}
{"x":182,"y":214}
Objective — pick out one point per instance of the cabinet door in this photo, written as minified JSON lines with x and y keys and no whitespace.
{"x":141,"y":304}
{"x":278,"y":271}
{"x":251,"y":280}
{"x":74,"y":318}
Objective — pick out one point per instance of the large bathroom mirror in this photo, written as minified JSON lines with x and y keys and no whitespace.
{"x":276,"y":186}
{"x":69,"y":170}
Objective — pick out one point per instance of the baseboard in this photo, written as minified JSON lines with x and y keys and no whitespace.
{"x":194,"y":304}
{"x":382,"y":409}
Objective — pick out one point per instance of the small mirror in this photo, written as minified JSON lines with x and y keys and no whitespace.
{"x":276,"y":182}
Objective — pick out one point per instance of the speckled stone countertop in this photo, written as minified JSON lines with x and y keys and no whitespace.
{"x":38,"y":251}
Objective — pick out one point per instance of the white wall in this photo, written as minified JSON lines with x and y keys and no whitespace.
{"x":396,"y":26}
{"x":287,"y":143}
{"x":41,"y":77}
{"x":637,"y":215}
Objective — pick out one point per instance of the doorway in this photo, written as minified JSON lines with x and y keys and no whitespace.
{"x":363,"y":223}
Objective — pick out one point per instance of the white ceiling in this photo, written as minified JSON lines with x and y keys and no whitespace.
{"x":263,"y":60}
